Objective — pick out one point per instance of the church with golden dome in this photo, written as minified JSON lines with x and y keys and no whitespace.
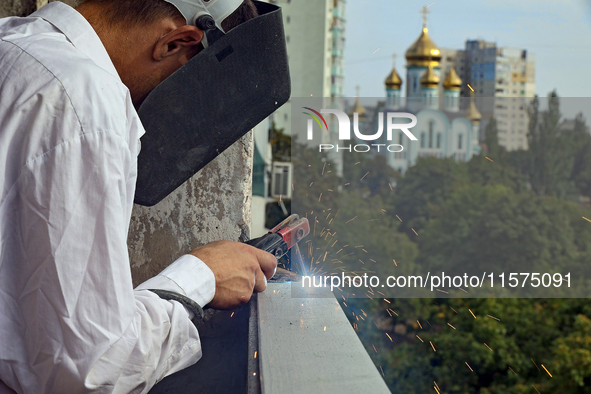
{"x":432,"y":90}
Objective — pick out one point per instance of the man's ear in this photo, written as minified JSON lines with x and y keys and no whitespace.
{"x":182,"y":40}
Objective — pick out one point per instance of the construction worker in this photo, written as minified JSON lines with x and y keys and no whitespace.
{"x":70,"y":83}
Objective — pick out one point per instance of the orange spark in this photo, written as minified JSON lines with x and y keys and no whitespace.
{"x":513,"y":370}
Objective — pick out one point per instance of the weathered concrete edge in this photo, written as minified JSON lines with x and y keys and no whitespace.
{"x":215,"y":204}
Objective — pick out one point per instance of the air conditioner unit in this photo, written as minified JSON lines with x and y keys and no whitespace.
{"x":281,"y":180}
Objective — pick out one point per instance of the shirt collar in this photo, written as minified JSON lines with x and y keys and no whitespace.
{"x":79,"y":32}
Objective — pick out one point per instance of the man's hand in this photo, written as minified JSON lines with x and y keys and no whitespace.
{"x":239,"y":270}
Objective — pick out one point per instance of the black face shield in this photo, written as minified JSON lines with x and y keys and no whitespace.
{"x":238,"y":80}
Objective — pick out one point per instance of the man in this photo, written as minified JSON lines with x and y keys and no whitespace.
{"x":70,"y":321}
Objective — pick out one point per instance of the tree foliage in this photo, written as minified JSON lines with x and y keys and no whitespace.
{"x":578,"y":143}
{"x":425,"y":186}
{"x":280,"y":144}
{"x":512,"y":213}
{"x":551,"y":164}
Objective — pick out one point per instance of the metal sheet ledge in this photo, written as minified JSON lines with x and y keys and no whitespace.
{"x":307,"y":345}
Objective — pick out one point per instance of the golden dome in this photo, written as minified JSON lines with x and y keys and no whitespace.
{"x":360,"y":109}
{"x":452,"y":81}
{"x":393,"y":80}
{"x":429,"y":79}
{"x":472,"y":112}
{"x":423,"y":52}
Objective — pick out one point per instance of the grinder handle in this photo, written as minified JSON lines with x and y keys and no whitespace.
{"x":272,"y":243}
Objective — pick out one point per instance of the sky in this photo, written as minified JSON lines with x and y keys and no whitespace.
{"x":557,"y":32}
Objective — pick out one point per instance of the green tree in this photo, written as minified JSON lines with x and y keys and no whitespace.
{"x":520,"y":161}
{"x":280,"y":144}
{"x":491,"y":139}
{"x":466,"y":346}
{"x":550,"y":164}
{"x":425,"y":186}
{"x":314,"y":182}
{"x":578,"y":141}
{"x":482,"y":171}
{"x":481,"y":229}
{"x":367,"y":238}
{"x":369,"y":173}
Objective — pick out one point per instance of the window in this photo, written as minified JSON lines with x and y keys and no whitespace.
{"x":400,"y":138}
{"x":439,"y":140}
{"x":460,"y":141}
{"x":430,"y":134}
{"x":423,"y":140}
{"x":281,"y":180}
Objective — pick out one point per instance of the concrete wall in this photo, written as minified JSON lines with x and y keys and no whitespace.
{"x":215,"y":204}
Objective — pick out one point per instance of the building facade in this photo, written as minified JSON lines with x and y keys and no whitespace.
{"x":315,"y":37}
{"x":433,"y":91}
{"x":505,"y":79}
{"x":501,"y":79}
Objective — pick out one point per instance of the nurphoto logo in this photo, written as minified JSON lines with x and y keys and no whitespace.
{"x":344,"y":125}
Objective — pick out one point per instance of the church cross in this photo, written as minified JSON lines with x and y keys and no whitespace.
{"x":425,"y":12}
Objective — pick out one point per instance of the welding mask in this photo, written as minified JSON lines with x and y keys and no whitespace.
{"x":234,"y":83}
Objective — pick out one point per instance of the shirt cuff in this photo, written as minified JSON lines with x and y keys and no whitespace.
{"x":188,"y":276}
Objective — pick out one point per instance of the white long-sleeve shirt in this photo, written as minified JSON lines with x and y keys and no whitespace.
{"x":70,"y":320}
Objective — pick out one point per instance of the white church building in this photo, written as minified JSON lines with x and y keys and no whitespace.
{"x":433,"y":96}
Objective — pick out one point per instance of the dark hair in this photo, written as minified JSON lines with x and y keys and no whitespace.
{"x":134,"y":12}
